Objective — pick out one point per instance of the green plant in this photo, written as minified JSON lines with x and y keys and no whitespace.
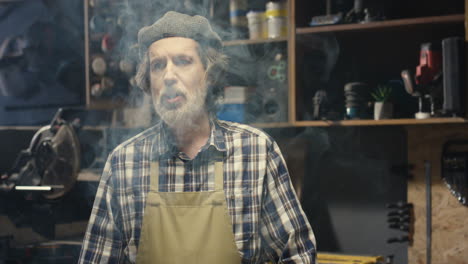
{"x":382,"y":93}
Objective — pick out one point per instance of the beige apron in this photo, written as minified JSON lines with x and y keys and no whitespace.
{"x":187,"y":227}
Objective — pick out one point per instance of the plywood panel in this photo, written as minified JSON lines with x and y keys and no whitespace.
{"x":449,"y":217}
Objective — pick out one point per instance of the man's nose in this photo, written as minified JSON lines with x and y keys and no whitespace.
{"x":170,"y":76}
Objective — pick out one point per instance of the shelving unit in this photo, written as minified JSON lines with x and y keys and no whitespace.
{"x":296,"y":34}
{"x":91,"y":39}
{"x":403,"y":25}
{"x":409,"y":32}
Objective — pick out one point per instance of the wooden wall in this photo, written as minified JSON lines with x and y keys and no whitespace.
{"x":449,"y":217}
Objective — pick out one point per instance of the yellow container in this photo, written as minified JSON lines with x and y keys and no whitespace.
{"x":276,"y":17}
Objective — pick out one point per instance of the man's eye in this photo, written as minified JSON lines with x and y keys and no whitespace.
{"x":158,"y":65}
{"x":182,"y":61}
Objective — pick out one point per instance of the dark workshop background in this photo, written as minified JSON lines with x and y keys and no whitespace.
{"x":346,"y":174}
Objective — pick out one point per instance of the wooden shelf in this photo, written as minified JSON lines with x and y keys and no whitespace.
{"x":35,"y":128}
{"x":91,"y":175}
{"x":91,"y":102}
{"x":378,"y":25}
{"x":271,"y":125}
{"x":104,"y":104}
{"x":387,"y":122}
{"x":26,"y":128}
{"x":252,"y":41}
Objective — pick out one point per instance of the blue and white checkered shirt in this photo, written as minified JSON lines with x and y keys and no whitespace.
{"x":268,"y":221}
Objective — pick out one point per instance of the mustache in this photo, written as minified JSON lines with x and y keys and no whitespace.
{"x":171,"y":92}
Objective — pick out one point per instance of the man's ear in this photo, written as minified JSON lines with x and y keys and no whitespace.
{"x":142,"y":77}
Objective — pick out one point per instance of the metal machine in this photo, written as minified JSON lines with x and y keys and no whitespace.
{"x":426,"y":84}
{"x":50,"y":164}
{"x":34,"y":189}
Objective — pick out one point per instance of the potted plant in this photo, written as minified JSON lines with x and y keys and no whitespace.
{"x":383,"y":109}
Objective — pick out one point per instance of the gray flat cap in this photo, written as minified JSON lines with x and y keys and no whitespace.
{"x":174,"y":24}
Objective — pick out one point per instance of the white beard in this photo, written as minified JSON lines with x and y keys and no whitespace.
{"x":183,"y":116}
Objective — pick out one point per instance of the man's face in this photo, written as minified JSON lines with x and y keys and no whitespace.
{"x":177,"y":78}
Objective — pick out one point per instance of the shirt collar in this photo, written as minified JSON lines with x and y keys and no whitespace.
{"x":165,"y":145}
{"x":217,"y":136}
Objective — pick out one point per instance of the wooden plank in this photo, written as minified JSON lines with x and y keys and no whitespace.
{"x":104,"y":104}
{"x":86,"y":52}
{"x":33,"y":128}
{"x":466,"y":57}
{"x":387,"y":122}
{"x":385,"y":24}
{"x":252,"y":41}
{"x":409,"y":121}
{"x":292,"y":61}
{"x":271,"y":125}
{"x":89,"y":175}
{"x":449,"y":217}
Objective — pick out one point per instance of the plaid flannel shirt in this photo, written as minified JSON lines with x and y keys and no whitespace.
{"x":267,"y":219}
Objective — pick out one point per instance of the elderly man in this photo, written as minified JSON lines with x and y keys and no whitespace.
{"x":194,"y":189}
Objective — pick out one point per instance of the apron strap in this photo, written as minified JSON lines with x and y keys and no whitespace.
{"x":218,"y":176}
{"x":154,"y":176}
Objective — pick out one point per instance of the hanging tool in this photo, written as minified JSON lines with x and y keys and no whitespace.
{"x":401,"y":218}
{"x":454,"y":164}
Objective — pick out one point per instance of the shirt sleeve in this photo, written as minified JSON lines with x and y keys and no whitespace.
{"x":284,"y":226}
{"x":103,"y":239}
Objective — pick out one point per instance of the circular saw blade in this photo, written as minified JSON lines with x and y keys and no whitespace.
{"x":62,"y":171}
